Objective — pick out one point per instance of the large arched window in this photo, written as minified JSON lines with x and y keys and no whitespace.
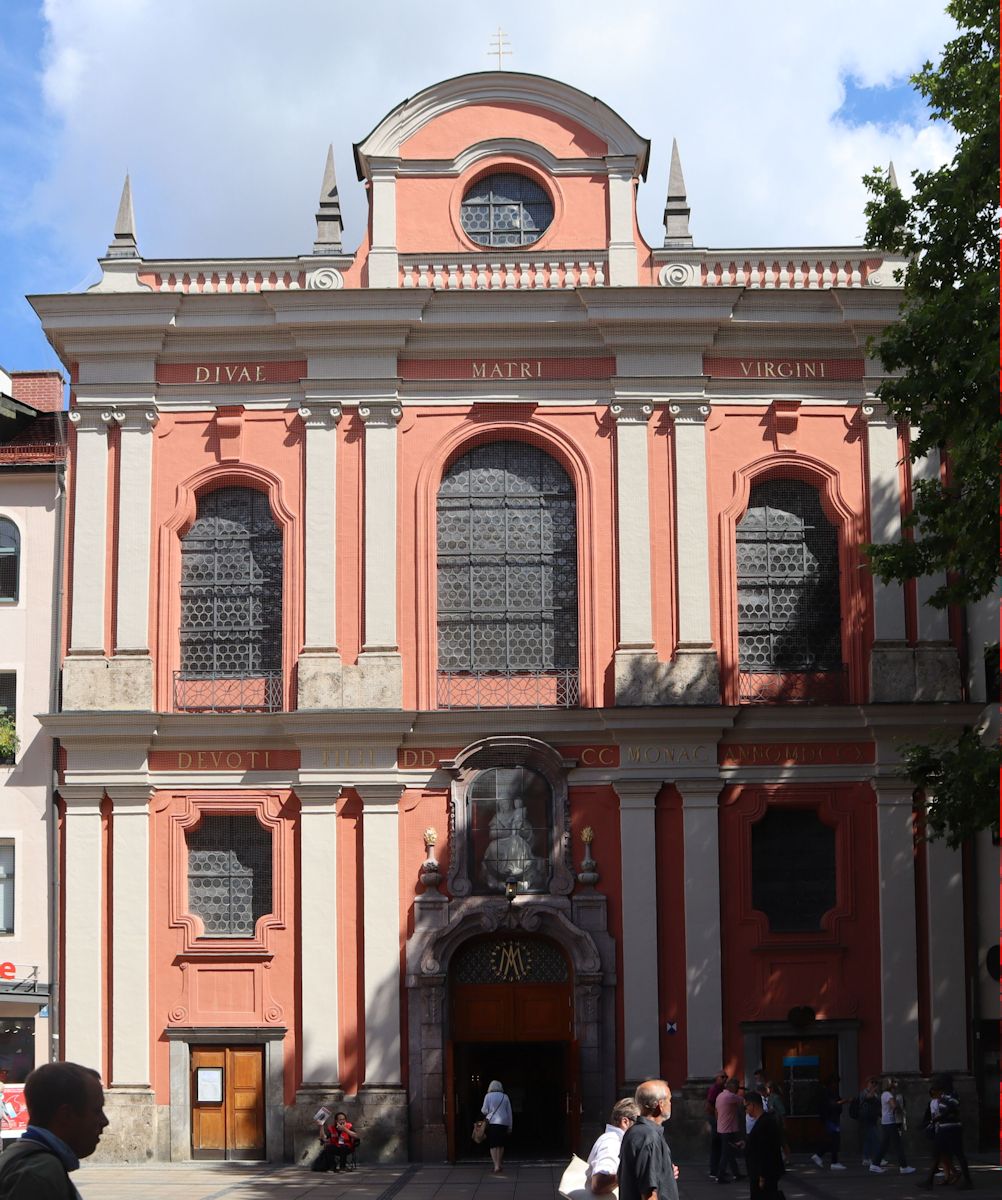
{"x":507,"y":569}
{"x":789,"y":617}
{"x":231,"y":603}
{"x":10,"y":561}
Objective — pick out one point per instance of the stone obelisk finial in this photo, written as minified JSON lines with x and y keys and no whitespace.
{"x":676,"y":207}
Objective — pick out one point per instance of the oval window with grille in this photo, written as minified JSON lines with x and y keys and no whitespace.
{"x":506,"y":209}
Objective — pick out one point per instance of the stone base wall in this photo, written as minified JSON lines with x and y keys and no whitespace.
{"x":378,"y":1115}
{"x":692,"y":677}
{"x":133,"y":1129}
{"x":120,"y":684}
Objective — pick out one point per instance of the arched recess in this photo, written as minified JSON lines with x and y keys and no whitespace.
{"x":168,"y":615}
{"x":851,"y":532}
{"x":441,"y":928}
{"x":458,"y":442}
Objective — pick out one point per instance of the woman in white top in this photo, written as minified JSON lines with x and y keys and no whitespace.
{"x":892,"y":1119}
{"x":496,"y":1108}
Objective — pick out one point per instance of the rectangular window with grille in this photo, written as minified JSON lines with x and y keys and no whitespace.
{"x":229,"y":874}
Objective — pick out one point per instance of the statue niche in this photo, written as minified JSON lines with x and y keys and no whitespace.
{"x":508,"y":817}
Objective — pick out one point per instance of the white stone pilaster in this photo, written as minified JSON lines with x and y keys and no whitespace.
{"x":885,"y":516}
{"x":701,"y":855}
{"x":380,"y":553}
{"x":622,"y":246}
{"x":947,"y":969}
{"x":898,"y":958}
{"x":130,"y":934}
{"x":383,"y":260}
{"x":84,"y":891}
{"x":641,"y":1006}
{"x":933,"y":623}
{"x":321,"y":418}
{"x":634,"y":525}
{"x":319,"y":921}
{"x":381,"y":922}
{"x":692,"y":524}
{"x":135,"y":480}
{"x":90,"y":529}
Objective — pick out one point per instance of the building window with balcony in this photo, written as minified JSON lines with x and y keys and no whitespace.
{"x":10,"y":561}
{"x":231,"y":606}
{"x":229,"y":874}
{"x":8,"y":718}
{"x":789,"y":611}
{"x":6,"y":887}
{"x":507,"y":580}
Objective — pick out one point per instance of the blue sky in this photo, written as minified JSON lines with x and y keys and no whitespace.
{"x":222,"y":112}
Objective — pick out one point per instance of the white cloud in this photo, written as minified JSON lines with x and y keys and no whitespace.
{"x":222,"y":109}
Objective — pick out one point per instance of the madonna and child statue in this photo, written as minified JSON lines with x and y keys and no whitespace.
{"x":511,"y":836}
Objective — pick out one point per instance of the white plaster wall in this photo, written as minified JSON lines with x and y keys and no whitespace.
{"x":26,"y":636}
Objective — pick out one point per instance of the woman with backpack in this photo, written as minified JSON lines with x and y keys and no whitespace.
{"x":865,"y":1109}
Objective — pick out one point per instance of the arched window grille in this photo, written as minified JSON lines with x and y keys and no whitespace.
{"x":789,"y":617}
{"x":10,"y":561}
{"x":505,"y":209}
{"x":231,"y":602}
{"x":507,"y":568}
{"x":229,"y":874}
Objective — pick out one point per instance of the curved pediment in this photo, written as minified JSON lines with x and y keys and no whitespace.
{"x":565,"y":121}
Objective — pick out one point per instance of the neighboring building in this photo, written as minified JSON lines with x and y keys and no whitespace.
{"x":32,"y":454}
{"x":514,"y":528}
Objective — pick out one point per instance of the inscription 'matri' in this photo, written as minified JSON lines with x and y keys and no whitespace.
{"x":519,"y":368}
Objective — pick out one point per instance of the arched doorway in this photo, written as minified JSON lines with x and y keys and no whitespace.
{"x":511,"y":1018}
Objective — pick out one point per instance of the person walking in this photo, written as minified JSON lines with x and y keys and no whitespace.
{"x":65,"y":1103}
{"x":830,"y":1114}
{"x":731,"y":1127}
{"x":868,"y":1115}
{"x":603,"y":1161}
{"x":892,"y":1120}
{"x":646,"y":1171}
{"x":712,"y":1092}
{"x":948,"y":1139}
{"x":496,"y":1110}
{"x":777,"y":1106}
{"x":763,"y":1150}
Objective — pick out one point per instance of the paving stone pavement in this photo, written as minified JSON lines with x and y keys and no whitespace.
{"x":467,"y":1181}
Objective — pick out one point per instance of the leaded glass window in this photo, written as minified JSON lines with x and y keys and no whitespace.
{"x":507,"y":562}
{"x":10,"y":561}
{"x":510,"y":824}
{"x":505,"y":210}
{"x":231,"y":587}
{"x":789,"y":615}
{"x":793,"y":869}
{"x":229,"y":874}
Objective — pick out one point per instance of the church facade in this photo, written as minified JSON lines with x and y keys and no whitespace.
{"x":471,"y":669}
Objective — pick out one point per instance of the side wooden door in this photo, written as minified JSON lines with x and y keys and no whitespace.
{"x":227,"y":1102}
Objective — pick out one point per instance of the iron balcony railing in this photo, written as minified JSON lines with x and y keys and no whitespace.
{"x":822,"y":685}
{"x":509,"y":689}
{"x":255,"y":691}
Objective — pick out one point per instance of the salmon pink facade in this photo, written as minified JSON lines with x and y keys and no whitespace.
{"x":471,"y":668}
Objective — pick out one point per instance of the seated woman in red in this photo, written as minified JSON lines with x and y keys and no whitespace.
{"x":339,"y":1140}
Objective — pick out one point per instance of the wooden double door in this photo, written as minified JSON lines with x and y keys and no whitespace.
{"x":227,"y":1102}
{"x":800,"y":1065}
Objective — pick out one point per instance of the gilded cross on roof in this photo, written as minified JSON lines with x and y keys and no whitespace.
{"x":501,"y":39}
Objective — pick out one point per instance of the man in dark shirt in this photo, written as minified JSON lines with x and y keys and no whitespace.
{"x":763,"y":1150}
{"x":646,"y":1171}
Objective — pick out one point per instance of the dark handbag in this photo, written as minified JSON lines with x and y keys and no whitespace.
{"x":479,"y":1131}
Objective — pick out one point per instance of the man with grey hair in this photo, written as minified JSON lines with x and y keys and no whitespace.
{"x":603,"y":1161}
{"x":646,"y":1171}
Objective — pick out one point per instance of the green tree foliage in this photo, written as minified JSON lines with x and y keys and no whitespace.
{"x":945,"y":351}
{"x":946,"y":343}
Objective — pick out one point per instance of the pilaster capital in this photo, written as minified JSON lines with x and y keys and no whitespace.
{"x":876,"y":413}
{"x":138,"y":418}
{"x":320,"y":413}
{"x":689,"y":412}
{"x":620,"y":166}
{"x":82,"y":799}
{"x":318,"y":799}
{"x":379,"y":798}
{"x":94,"y":420}
{"x":637,"y":794}
{"x":631,"y":412}
{"x":893,"y":792}
{"x":129,"y":799}
{"x":699,"y":793}
{"x":380,"y":414}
